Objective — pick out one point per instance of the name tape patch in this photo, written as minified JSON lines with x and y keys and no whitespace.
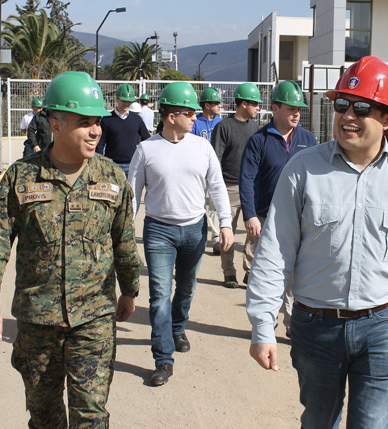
{"x":31,"y":192}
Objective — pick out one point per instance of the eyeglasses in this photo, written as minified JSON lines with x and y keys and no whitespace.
{"x":188,"y":114}
{"x":361,"y":108}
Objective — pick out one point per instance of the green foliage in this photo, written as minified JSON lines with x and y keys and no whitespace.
{"x":40,"y":49}
{"x":197,"y":76}
{"x":172,"y":74}
{"x":131,"y":62}
{"x":30,"y":7}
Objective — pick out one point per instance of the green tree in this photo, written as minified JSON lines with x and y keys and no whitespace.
{"x":172,"y":74}
{"x":130,"y":61}
{"x":40,"y":49}
{"x":197,"y":76}
{"x":30,"y":7}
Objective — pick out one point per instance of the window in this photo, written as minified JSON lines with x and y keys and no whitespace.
{"x":358,"y":29}
{"x":314,"y":20}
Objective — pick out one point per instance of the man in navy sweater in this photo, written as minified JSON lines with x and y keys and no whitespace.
{"x":123,"y":131}
{"x":264,"y":157}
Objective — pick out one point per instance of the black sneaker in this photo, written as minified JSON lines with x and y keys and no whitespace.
{"x":161,"y":374}
{"x":181,"y":343}
{"x":245,"y":279}
{"x":231,"y":282}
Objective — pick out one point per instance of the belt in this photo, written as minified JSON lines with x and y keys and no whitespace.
{"x":342,"y":313}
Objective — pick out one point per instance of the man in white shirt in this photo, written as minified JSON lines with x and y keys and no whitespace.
{"x":36,"y":105}
{"x":146,"y":113}
{"x":175,"y":167}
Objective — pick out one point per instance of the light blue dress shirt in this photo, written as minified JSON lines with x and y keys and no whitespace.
{"x":330,"y":220}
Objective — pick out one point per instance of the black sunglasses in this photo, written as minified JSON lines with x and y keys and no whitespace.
{"x":361,"y":108}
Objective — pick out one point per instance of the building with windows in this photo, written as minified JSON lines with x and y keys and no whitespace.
{"x":346,"y":30}
{"x":339,"y":33}
{"x":277,"y":47}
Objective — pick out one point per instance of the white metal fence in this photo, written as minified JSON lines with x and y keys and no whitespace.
{"x":21,"y":92}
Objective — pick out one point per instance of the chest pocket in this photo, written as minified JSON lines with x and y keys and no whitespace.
{"x":99,"y":223}
{"x":320,"y":229}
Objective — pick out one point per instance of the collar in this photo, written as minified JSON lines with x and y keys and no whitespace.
{"x":337,"y":150}
{"x":271,"y":129}
{"x":125,"y":116}
{"x":49,"y":172}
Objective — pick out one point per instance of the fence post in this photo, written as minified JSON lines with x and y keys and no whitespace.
{"x":311,"y":96}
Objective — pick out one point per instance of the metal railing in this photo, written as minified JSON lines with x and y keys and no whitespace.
{"x":21,"y":92}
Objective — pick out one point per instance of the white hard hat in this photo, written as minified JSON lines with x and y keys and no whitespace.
{"x":135,"y":107}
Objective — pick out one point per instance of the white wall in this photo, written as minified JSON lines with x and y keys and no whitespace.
{"x":379,"y":37}
{"x":328,"y":44}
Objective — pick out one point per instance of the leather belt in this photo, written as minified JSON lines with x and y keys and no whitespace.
{"x":342,"y":313}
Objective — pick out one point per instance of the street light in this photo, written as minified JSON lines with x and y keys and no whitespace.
{"x":140,"y":52}
{"x":118,"y":10}
{"x":199,"y":67}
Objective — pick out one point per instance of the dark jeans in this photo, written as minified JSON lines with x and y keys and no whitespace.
{"x":327,"y":351}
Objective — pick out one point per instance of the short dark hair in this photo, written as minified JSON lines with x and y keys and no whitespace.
{"x":165,"y":109}
{"x":144,"y":102}
{"x":238,"y":101}
{"x":276,"y":103}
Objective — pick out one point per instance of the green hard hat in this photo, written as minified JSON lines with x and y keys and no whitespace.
{"x":209,"y":95}
{"x":36,"y":102}
{"x":288,"y":92}
{"x":75,"y":92}
{"x":179,"y":94}
{"x":247,"y":91}
{"x":125,"y":92}
{"x":144,"y":97}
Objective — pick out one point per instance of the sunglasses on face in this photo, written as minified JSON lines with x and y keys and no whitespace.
{"x":360,"y":108}
{"x":188,"y":114}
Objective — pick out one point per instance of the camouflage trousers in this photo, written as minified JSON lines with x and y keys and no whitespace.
{"x":46,"y":355}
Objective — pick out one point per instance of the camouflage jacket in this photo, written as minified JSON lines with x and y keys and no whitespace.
{"x":71,"y":240}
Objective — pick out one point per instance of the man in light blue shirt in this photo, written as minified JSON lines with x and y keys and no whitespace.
{"x":329,"y":220}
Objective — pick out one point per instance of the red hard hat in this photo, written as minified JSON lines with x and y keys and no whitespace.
{"x":367,"y":78}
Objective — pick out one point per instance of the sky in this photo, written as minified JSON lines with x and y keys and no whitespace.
{"x":196,"y":22}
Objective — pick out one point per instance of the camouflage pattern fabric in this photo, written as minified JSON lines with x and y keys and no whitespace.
{"x":45,"y":355}
{"x":71,"y":240}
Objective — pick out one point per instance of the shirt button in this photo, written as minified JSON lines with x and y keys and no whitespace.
{"x":359,"y":205}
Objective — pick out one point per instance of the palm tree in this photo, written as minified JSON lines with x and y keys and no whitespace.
{"x":39,"y":48}
{"x":131,"y":61}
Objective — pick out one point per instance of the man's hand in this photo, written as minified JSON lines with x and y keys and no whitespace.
{"x":226,"y":238}
{"x":36,"y":148}
{"x":125,"y":308}
{"x":266,"y":355}
{"x":253,"y":226}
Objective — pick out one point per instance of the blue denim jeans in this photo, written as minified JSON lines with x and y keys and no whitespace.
{"x":166,"y":246}
{"x":125,"y":168}
{"x":327,"y":351}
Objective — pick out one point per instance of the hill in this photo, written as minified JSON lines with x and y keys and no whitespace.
{"x":230,"y":63}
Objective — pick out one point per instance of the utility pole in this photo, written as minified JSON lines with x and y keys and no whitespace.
{"x":157,"y":55}
{"x":176,"y":50}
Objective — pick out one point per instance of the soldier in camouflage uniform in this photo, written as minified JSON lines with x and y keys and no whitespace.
{"x":71,"y":211}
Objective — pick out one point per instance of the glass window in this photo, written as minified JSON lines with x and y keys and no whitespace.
{"x":358,"y":26}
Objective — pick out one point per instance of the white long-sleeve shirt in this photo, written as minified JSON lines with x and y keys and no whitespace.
{"x":175,"y":176}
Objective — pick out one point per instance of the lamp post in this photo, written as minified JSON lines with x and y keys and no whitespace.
{"x":199,"y":67}
{"x":118,"y":10}
{"x":140,"y":52}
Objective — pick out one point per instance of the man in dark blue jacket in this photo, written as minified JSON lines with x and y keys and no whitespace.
{"x":123,"y":131}
{"x":264,"y":157}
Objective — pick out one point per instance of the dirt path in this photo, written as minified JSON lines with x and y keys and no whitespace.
{"x":216,"y":385}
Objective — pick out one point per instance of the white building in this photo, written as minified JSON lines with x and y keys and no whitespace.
{"x":346,"y":30}
{"x":339,"y":33}
{"x":280,"y":43}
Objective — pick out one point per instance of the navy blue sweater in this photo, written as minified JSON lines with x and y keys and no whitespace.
{"x":262,"y":161}
{"x":120,"y":137}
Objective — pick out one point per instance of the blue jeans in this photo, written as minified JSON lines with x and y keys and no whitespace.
{"x":166,"y":246}
{"x":326,"y":351}
{"x":125,"y":168}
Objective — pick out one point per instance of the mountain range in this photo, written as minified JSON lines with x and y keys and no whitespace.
{"x":230,"y":63}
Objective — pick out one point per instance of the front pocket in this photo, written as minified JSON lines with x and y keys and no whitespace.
{"x":320,"y":228}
